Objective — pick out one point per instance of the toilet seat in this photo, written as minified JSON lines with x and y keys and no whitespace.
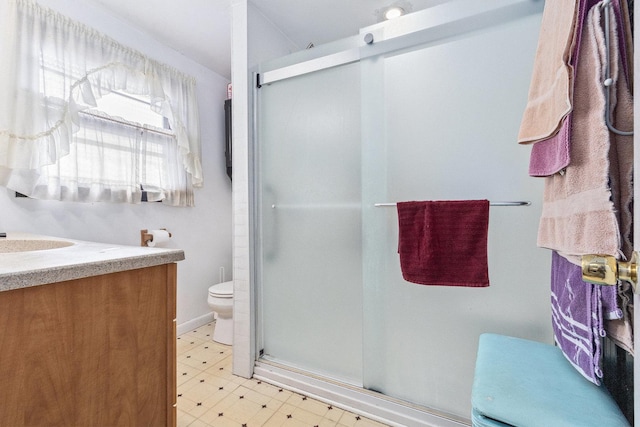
{"x":222,"y":290}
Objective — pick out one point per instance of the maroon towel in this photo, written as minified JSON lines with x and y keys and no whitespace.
{"x":444,"y":242}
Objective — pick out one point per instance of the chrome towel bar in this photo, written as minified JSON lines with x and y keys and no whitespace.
{"x":518,"y":203}
{"x":377,"y":205}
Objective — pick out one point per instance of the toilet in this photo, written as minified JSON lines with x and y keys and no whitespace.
{"x":221,"y":302}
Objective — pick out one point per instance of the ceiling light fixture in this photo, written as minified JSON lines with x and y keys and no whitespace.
{"x":393,"y":12}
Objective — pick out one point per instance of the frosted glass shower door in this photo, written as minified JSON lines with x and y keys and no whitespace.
{"x":429,"y":111}
{"x":448,"y":131}
{"x":309,"y":212}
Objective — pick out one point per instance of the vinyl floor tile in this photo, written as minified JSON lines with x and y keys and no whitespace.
{"x":209,"y":395}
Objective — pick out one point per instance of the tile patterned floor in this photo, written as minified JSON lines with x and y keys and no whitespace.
{"x":210,"y":395}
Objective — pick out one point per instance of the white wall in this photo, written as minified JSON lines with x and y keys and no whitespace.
{"x":253,"y":39}
{"x":243,"y":313}
{"x":266,"y":41}
{"x":203,"y":232}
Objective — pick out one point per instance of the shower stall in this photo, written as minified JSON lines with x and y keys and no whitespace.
{"x":425,"y":107}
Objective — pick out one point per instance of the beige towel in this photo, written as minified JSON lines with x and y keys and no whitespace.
{"x":621,"y":171}
{"x":620,"y":331}
{"x":550,"y":91}
{"x":579,"y":215}
{"x":588,"y":209}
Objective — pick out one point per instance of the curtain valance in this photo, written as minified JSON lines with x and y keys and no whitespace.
{"x":53,"y":68}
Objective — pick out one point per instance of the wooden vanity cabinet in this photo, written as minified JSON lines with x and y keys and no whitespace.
{"x":97,"y":351}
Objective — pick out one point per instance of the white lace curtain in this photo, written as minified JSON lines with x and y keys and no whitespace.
{"x":52,"y":72}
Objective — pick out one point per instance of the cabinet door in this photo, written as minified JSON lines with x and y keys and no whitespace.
{"x":92,"y":351}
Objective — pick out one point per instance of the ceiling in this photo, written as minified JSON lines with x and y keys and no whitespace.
{"x":201,"y":29}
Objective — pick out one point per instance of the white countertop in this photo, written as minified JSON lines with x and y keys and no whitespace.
{"x":82,"y":259}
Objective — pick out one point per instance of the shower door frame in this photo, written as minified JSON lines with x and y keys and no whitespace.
{"x":473,"y":16}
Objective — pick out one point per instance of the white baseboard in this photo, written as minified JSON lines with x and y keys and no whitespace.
{"x":192,"y":324}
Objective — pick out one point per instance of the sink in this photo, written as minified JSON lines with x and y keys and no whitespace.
{"x":26,"y":245}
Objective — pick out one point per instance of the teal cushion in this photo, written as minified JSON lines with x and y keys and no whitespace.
{"x":525,"y":383}
{"x":479,"y":420}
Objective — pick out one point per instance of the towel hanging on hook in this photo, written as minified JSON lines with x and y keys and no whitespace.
{"x":608,"y":81}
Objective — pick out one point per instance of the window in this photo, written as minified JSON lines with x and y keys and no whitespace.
{"x":123,"y":142}
{"x":90,"y":119}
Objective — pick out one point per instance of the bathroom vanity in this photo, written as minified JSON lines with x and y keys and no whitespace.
{"x":87,"y":334}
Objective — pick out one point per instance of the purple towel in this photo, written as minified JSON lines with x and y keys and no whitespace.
{"x":551,"y":155}
{"x":610,"y":307}
{"x":576,"y":311}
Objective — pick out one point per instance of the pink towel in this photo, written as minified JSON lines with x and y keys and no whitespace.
{"x":586,"y":210}
{"x":550,"y":92}
{"x":444,"y":242}
{"x":551,"y":155}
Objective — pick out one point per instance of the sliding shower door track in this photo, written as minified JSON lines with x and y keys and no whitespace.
{"x":352,"y":398}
